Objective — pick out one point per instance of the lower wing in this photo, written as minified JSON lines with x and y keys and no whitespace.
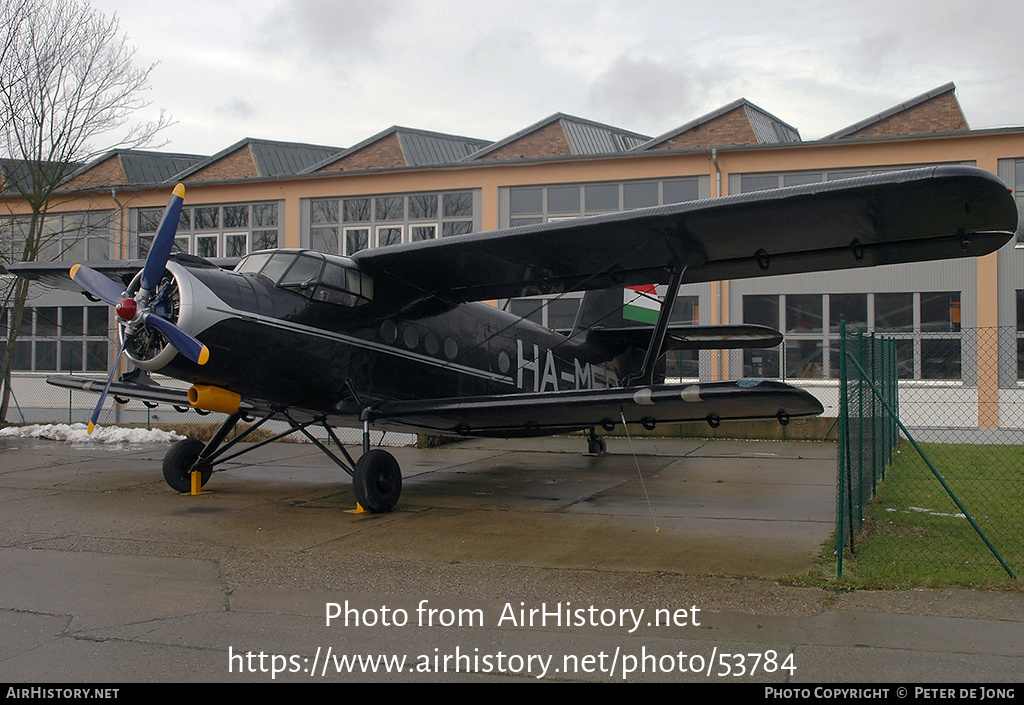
{"x":544,"y":413}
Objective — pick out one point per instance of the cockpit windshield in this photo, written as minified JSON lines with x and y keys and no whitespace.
{"x":320,"y":277}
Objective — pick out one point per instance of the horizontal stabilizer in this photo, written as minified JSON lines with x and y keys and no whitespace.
{"x":695,"y":337}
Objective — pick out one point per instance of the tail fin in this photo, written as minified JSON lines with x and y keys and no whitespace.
{"x":615,"y":310}
{"x":618,"y":308}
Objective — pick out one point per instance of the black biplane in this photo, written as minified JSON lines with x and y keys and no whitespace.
{"x":399,"y":337}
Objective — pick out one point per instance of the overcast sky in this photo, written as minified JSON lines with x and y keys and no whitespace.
{"x":334,"y":72}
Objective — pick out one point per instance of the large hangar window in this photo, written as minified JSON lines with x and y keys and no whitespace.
{"x":71,"y":237}
{"x":1011,"y":171}
{"x":344,"y":226}
{"x":1020,"y":334}
{"x":58,"y":338}
{"x":1018,"y":193}
{"x":539,"y":204}
{"x":230,"y":230}
{"x":926,"y":326}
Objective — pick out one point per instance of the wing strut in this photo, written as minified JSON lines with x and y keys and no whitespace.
{"x":661,"y":327}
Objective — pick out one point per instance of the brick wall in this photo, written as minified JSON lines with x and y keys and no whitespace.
{"x":109,"y":172}
{"x":236,"y":165}
{"x":547,"y":141}
{"x":731,"y":128}
{"x":385,"y":152}
{"x":939,"y":114}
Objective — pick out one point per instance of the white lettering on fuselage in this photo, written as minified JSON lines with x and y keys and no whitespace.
{"x":546,"y":376}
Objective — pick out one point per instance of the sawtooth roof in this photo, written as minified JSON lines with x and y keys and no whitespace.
{"x":583,"y":138}
{"x":895,"y":110}
{"x":765,"y":127}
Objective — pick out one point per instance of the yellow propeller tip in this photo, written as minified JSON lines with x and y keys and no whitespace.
{"x":204,"y":355}
{"x":179,"y":191}
{"x":74,"y":270}
{"x":92,"y":427}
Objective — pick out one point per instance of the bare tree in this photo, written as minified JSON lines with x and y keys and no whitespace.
{"x":69,"y":92}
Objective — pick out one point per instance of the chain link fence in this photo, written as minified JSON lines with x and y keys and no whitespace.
{"x":931,"y":477}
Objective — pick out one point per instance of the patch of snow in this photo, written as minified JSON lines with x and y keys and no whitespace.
{"x":78,"y":433}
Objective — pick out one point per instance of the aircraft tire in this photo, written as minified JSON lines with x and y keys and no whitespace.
{"x":377,"y":481}
{"x":597,"y":445}
{"x":178,"y":464}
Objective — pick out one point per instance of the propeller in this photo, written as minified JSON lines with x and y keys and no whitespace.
{"x":139,"y":311}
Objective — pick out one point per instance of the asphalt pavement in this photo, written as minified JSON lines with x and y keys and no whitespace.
{"x":503,"y":561}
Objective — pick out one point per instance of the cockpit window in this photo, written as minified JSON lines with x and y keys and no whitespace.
{"x":277,"y":265}
{"x":333,"y":280}
{"x":305,"y":270}
{"x":344,"y":285}
{"x":252,"y":263}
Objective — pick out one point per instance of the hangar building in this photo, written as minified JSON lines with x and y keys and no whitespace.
{"x":960,"y":324}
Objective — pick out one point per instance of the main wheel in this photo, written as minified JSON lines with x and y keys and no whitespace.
{"x":596,"y":445}
{"x":178,"y":464}
{"x":377,"y":481}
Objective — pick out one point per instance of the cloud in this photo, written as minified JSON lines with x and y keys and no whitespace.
{"x":236,"y":109}
{"x":327,"y":29}
{"x":641,"y":90}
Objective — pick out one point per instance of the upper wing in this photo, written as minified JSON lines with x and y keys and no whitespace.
{"x":922,"y":214}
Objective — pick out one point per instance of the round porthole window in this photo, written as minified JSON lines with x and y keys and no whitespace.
{"x":388,"y":331}
{"x":504,"y":363}
{"x":411,"y":337}
{"x":451,"y":348}
{"x":432,"y":343}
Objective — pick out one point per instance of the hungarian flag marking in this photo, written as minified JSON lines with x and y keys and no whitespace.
{"x":641,"y":303}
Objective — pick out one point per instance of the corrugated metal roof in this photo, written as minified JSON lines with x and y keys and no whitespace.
{"x":15,"y":171}
{"x":285,"y":158}
{"x":769,"y":129}
{"x":271,"y":158}
{"x":587,"y":137}
{"x":154,"y":167}
{"x":426,"y":148}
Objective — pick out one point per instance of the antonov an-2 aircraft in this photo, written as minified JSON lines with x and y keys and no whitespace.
{"x":399,"y":337}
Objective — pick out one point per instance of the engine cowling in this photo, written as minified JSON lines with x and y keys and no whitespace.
{"x":173,"y":299}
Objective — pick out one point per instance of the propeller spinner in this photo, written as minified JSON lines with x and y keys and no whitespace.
{"x":138,"y":311}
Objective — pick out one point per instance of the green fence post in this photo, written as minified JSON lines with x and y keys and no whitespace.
{"x":844,"y":444}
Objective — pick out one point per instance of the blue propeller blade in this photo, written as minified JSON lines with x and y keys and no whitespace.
{"x":182,"y":341}
{"x":96,"y":284}
{"x":110,"y":378}
{"x":160,"y":250}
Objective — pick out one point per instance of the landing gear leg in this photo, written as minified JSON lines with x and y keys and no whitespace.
{"x":596,"y":445}
{"x":376,"y":477}
{"x":377,"y":481}
{"x":189,"y":454}
{"x":179,"y":462}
